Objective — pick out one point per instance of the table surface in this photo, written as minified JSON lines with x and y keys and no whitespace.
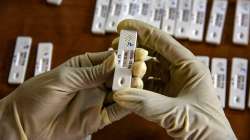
{"x":68,"y":27}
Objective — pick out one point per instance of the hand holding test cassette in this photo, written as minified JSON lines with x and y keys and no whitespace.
{"x":179,"y":93}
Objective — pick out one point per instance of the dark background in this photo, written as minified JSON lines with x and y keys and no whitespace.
{"x":68,"y":27}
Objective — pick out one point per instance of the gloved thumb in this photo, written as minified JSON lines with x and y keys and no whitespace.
{"x":78,"y":78}
{"x":113,"y":113}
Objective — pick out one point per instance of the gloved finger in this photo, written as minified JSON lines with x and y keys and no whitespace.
{"x":113,"y":113}
{"x":87,"y":77}
{"x":88,"y":59}
{"x":137,"y":83}
{"x":140,"y":54}
{"x":139,"y":69}
{"x":115,"y":43}
{"x":137,"y":99}
{"x":163,"y":43}
{"x":145,"y":103}
{"x":99,"y":57}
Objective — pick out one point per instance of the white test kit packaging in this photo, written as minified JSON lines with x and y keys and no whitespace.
{"x":100,"y":16}
{"x":169,"y":19}
{"x":20,"y":60}
{"x":219,"y":76}
{"x":242,"y":22}
{"x":125,"y":54}
{"x":43,"y":58}
{"x":216,"y":21}
{"x":198,"y":17}
{"x":237,"y":93}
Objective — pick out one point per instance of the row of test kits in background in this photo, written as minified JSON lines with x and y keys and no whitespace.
{"x":238,"y":80}
{"x":21,"y":58}
{"x":184,"y":19}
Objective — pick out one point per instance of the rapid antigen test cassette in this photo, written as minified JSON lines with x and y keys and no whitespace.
{"x":237,"y":94}
{"x":158,"y":13}
{"x":118,"y":10}
{"x":169,"y":19}
{"x":216,"y":21}
{"x":219,"y":76}
{"x":43,"y":58}
{"x":197,"y":22}
{"x":100,"y":16}
{"x":20,"y":60}
{"x":125,"y":54}
{"x":134,"y":9}
{"x":183,"y":20}
{"x":242,"y":22}
{"x":146,"y":12}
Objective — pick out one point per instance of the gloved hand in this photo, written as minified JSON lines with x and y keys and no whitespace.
{"x":187,"y":106}
{"x":65,"y":103}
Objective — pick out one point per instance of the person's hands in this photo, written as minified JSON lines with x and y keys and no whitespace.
{"x":188,"y":108}
{"x":65,"y":103}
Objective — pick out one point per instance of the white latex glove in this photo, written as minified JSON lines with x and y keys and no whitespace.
{"x":63,"y":104}
{"x":188,"y":108}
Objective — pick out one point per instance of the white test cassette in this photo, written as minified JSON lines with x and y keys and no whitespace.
{"x":125,"y":54}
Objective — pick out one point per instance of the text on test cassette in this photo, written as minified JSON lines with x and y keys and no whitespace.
{"x":20,"y":60}
{"x":125,"y":54}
